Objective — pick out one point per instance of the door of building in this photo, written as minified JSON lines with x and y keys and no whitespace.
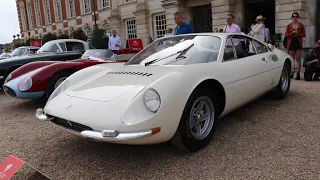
{"x":318,"y":22}
{"x":202,"y":18}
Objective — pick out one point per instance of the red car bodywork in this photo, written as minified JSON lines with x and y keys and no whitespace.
{"x":41,"y":79}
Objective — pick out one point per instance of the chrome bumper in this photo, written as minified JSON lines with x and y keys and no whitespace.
{"x":42,"y":116}
{"x":105,"y":135}
{"x":117,"y":137}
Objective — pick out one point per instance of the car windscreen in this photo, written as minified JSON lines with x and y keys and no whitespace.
{"x":18,"y":52}
{"x":101,"y":54}
{"x":49,"y":47}
{"x":179,"y":50}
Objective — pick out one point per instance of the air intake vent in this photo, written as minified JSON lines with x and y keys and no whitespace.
{"x":131,"y":73}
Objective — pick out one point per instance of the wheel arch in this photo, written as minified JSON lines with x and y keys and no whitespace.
{"x":217,"y":87}
{"x":288,"y":61}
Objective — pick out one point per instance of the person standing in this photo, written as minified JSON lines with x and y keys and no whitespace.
{"x":295,"y":31}
{"x":182,"y":27}
{"x":259,"y":31}
{"x":231,"y":27}
{"x":170,"y":31}
{"x":114,"y":42}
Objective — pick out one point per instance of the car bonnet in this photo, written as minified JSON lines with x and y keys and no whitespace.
{"x":117,"y":82}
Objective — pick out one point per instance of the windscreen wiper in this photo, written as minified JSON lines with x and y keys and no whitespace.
{"x":181,"y":55}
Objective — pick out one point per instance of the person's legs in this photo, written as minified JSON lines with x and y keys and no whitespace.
{"x":298,"y":63}
{"x":292,"y":53}
{"x":309,"y":71}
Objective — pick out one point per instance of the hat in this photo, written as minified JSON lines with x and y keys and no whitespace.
{"x":260,"y":17}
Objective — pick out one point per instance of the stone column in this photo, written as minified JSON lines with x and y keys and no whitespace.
{"x":306,"y":10}
{"x":142,"y":23}
{"x":220,"y":10}
{"x":116,"y":24}
{"x":172,"y":6}
{"x":239,"y":13}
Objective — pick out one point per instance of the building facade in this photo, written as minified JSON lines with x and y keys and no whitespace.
{"x":145,"y":18}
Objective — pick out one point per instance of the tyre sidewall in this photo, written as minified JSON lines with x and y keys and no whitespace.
{"x":54,"y":79}
{"x":188,"y":140}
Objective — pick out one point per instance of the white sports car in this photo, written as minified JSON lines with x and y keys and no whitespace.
{"x":173,"y":90}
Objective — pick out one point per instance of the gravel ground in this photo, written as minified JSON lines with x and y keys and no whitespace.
{"x":263,"y":140}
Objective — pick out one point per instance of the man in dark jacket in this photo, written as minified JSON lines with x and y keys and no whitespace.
{"x":312,"y":65}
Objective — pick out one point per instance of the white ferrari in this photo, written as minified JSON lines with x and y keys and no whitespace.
{"x":173,"y":90}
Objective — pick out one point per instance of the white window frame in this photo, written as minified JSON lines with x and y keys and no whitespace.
{"x":88,"y":9}
{"x":71,"y":8}
{"x":47,"y":11}
{"x":107,"y":2}
{"x":131,"y":33}
{"x":23,"y":18}
{"x":58,"y":9}
{"x":30,"y":15}
{"x":158,"y":33}
{"x":38,"y":12}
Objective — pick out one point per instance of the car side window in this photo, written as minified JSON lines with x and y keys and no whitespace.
{"x":63,"y":46}
{"x":229,"y":51}
{"x":55,"y":48}
{"x":261,"y":48}
{"x":74,"y":46}
{"x":243,"y":46}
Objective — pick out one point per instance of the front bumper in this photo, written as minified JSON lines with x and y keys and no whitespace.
{"x":103,"y":136}
{"x":15,"y":93}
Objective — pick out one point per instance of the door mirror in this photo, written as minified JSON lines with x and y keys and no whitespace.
{"x":270,"y":46}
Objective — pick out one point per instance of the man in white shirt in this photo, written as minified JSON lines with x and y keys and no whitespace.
{"x":170,"y":33}
{"x":114,"y":42}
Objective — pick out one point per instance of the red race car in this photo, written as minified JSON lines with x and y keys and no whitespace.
{"x":38,"y":79}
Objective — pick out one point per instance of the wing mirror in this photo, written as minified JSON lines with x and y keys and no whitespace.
{"x":271,"y":46}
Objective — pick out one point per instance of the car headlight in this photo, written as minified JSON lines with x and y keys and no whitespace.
{"x":8,"y":78}
{"x":26,"y":85}
{"x":62,"y":87}
{"x":152,"y":100}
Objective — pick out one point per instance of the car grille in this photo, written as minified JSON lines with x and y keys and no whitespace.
{"x":70,"y":125}
{"x":131,"y":73}
{"x":9,"y":91}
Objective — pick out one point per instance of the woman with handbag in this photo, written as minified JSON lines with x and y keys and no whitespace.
{"x":295,"y":32}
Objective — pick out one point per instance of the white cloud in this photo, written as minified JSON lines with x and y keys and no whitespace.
{"x":9,"y":20}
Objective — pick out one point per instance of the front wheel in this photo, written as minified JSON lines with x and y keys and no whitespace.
{"x":55,"y":81}
{"x":282,"y":89}
{"x":196,"y":126}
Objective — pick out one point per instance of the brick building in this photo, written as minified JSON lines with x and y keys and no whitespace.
{"x":144,"y":18}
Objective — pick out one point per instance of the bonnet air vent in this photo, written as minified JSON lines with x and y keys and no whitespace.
{"x":131,"y":73}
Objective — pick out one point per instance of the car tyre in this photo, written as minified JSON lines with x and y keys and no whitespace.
{"x":282,"y":89}
{"x":55,"y":81}
{"x":188,"y":136}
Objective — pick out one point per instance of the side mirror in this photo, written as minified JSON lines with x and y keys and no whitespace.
{"x":271,"y":47}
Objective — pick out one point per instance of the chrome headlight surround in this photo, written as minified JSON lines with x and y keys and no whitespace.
{"x":62,"y":87}
{"x":8,"y":78}
{"x":152,"y":100}
{"x":26,"y":85}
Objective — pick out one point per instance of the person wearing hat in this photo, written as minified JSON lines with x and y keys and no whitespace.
{"x":312,"y":64}
{"x":259,"y":31}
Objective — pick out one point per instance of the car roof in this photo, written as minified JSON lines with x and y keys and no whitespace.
{"x":30,"y":47}
{"x":67,"y":40}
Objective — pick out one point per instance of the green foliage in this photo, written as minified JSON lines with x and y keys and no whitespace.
{"x":28,"y":41}
{"x":63,"y":36}
{"x":79,"y":34}
{"x":48,"y":37}
{"x":99,"y":39}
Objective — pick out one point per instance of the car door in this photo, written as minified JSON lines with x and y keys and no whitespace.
{"x":245,"y":69}
{"x":271,"y":64}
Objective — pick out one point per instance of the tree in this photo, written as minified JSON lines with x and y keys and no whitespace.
{"x":63,"y":36}
{"x":18,"y":35}
{"x":99,"y":39}
{"x":48,"y":37}
{"x":79,"y":34}
{"x":14,"y":36}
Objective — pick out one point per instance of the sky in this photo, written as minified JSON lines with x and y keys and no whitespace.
{"x":9,"y":21}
